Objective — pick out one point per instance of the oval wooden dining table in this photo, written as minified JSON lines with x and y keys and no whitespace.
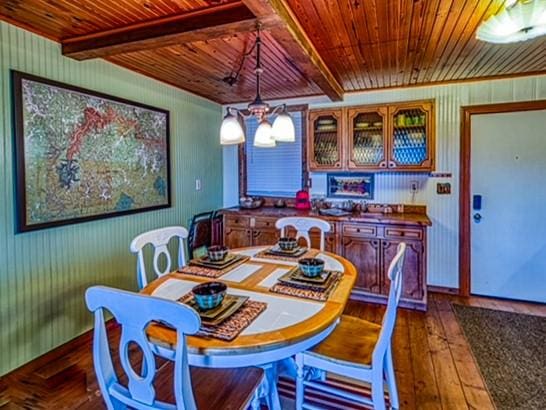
{"x":287,"y":326}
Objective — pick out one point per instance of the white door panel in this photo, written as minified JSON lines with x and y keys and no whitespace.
{"x":509,"y":171}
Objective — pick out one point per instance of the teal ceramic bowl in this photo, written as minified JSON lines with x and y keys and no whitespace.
{"x":288,"y":244}
{"x":311,"y":267}
{"x":208,"y":295}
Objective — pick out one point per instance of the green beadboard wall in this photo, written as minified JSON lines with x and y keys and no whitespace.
{"x":43,"y":274}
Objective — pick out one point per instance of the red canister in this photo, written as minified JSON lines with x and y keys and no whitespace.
{"x":302,"y":200}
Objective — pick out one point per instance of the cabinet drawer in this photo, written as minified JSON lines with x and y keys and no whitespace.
{"x":360,"y":230}
{"x":237,"y":221}
{"x":398,"y":232}
{"x":265,"y":223}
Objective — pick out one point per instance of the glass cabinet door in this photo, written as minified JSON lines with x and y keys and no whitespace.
{"x":367,"y":138}
{"x":411,"y":142}
{"x":325,"y":140}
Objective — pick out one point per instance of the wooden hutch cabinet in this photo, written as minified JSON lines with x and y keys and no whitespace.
{"x":411,"y":139}
{"x":367,"y":148}
{"x":370,"y":246}
{"x":325,"y":147}
{"x":391,"y":137}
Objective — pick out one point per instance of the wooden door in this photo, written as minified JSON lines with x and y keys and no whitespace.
{"x":413,"y":286}
{"x":237,"y":237}
{"x":411,"y":138}
{"x":265,"y":237}
{"x":325,"y":145}
{"x":367,"y":138}
{"x":365,"y":254}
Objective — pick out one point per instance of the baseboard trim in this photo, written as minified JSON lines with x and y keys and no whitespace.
{"x":443,"y":289}
{"x":59,"y":351}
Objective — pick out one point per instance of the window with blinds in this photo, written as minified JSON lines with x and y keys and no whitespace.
{"x":274,"y":171}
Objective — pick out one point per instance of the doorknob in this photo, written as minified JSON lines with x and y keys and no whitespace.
{"x":477,"y":217}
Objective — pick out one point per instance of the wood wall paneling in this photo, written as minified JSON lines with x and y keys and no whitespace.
{"x":45,"y":273}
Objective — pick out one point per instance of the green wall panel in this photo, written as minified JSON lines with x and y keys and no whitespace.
{"x":44,"y":274}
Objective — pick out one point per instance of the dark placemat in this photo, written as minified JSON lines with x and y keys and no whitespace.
{"x":211,"y":272}
{"x":229,"y":260}
{"x":510,"y":351}
{"x":232,"y":326}
{"x":266,"y":254}
{"x":309,"y":291}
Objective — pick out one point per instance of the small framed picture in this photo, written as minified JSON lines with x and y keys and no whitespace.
{"x":351,"y":185}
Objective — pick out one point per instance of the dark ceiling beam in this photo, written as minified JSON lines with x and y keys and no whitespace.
{"x":291,"y":36}
{"x":213,"y":22}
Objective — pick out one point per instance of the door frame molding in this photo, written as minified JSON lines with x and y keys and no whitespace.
{"x":465,"y":178}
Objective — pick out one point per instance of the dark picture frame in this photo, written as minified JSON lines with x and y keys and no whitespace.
{"x":124,"y":206}
{"x":351,"y":185}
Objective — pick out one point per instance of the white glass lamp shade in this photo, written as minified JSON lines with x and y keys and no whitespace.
{"x":520,"y":20}
{"x":283,"y":128}
{"x":263,"y":137}
{"x":231,"y":131}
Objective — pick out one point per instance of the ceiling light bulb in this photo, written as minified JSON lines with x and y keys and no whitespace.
{"x":283,"y":128}
{"x":263,"y":137}
{"x":519,"y":20}
{"x":231,"y":131}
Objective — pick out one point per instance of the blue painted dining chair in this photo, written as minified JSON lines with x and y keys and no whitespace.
{"x":159,"y":239}
{"x":134,"y":312}
{"x":357,"y":349}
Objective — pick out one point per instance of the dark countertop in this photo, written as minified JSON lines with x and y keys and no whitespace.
{"x":406,"y":218}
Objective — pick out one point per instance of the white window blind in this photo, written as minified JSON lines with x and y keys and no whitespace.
{"x":274,"y":171}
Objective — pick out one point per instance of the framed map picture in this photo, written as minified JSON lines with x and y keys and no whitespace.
{"x":82,"y":155}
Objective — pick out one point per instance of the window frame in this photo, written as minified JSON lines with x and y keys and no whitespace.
{"x":242,"y":158}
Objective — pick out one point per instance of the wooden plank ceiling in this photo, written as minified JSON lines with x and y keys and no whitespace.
{"x":390,"y":43}
{"x":310,"y":47}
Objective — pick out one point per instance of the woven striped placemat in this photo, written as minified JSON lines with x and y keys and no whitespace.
{"x":230,"y":328}
{"x":211,"y":272}
{"x":266,"y":254}
{"x":308,"y":291}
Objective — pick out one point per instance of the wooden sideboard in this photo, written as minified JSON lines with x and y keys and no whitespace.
{"x":368,"y":240}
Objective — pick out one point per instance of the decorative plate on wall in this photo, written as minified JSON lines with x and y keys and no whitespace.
{"x":351,"y":185}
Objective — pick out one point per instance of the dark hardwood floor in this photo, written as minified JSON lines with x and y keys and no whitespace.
{"x":434,"y":365}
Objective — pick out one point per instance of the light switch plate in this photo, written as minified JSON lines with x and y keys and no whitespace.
{"x":198,"y":184}
{"x":443,"y":188}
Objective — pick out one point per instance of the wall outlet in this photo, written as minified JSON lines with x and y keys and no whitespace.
{"x":414,"y":187}
{"x":198,"y":184}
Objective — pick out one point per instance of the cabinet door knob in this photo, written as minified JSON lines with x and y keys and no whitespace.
{"x":392,"y":164}
{"x":382,"y":164}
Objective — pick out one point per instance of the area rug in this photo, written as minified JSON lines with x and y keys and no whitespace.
{"x":510,"y":349}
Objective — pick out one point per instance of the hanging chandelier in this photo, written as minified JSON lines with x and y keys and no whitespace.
{"x":519,"y":20}
{"x":267,"y":135}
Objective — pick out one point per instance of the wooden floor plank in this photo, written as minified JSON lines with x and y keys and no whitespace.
{"x":434,"y":365}
{"x":449,"y":383}
{"x":474,"y":388}
{"x":425,"y":384}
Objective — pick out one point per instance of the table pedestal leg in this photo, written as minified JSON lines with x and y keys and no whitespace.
{"x":268,"y":389}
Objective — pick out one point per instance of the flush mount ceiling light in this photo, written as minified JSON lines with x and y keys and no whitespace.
{"x":519,"y":20}
{"x":231,"y":131}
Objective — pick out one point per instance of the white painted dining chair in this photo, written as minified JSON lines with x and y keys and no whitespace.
{"x":303,"y":225}
{"x":357,"y":349}
{"x":134,"y":312}
{"x":159,"y":239}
